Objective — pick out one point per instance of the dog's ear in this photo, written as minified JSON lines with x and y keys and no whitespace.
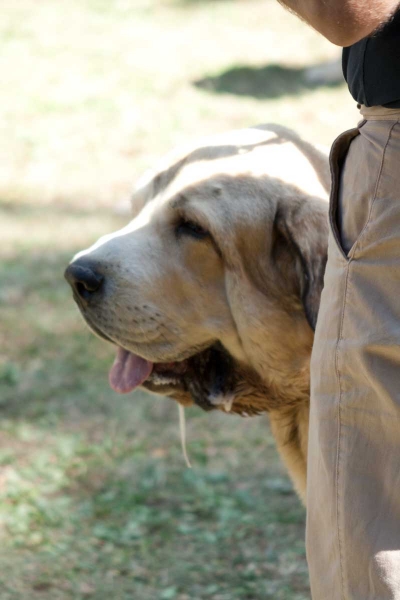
{"x":302,"y":226}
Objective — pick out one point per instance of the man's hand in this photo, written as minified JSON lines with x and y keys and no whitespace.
{"x":343,"y":22}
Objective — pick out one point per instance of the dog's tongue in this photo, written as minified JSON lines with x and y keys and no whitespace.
{"x":128,"y":371}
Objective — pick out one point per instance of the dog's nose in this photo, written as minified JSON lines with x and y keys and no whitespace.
{"x":83,"y":278}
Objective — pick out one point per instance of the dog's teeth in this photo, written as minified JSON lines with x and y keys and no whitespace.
{"x":224,"y":401}
{"x":158,"y":379}
{"x":228,"y":402}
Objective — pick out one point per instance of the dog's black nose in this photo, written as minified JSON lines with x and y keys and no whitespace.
{"x":83,"y":278}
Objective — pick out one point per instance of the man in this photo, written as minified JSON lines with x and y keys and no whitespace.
{"x":353,"y":520}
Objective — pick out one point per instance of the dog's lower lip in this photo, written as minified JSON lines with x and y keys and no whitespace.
{"x":178,"y":367}
{"x":168,"y":374}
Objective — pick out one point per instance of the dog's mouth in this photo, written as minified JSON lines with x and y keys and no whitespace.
{"x":207,"y":376}
{"x":130,"y":371}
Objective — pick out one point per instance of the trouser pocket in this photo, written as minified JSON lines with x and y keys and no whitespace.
{"x":363,"y":171}
{"x":343,"y":236}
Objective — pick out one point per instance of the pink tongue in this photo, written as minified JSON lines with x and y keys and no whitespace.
{"x":128,"y":371}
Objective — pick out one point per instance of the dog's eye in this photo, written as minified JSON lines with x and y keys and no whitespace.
{"x":192,"y":229}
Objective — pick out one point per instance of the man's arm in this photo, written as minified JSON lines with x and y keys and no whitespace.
{"x":343,"y":22}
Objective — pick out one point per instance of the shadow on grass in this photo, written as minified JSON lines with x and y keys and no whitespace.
{"x":269,"y":82}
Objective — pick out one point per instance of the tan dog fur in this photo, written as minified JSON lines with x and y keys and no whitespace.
{"x":253,"y":284}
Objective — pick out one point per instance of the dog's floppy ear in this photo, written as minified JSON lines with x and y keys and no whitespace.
{"x":303,"y":225}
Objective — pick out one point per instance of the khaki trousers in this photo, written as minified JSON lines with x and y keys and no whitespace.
{"x":353,"y":481}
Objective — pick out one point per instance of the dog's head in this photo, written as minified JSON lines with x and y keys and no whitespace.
{"x":212,"y":291}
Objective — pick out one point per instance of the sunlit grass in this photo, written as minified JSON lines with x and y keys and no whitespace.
{"x":93,"y":93}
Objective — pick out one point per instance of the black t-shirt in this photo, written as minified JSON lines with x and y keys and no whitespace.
{"x":371,"y":67}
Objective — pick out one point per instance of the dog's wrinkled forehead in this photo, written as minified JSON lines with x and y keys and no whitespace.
{"x":270,"y":151}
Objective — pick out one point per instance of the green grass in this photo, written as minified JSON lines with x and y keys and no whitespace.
{"x":95,"y":499}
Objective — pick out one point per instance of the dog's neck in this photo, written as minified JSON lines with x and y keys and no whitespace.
{"x":290,"y":430}
{"x":289,"y":420}
{"x":288,"y":410}
{"x":285,"y":395}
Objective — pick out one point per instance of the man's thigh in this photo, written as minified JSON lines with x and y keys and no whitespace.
{"x":353,"y":525}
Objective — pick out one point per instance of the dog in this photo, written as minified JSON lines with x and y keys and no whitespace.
{"x":211,"y":292}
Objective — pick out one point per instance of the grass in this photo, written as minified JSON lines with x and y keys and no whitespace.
{"x":95,"y":499}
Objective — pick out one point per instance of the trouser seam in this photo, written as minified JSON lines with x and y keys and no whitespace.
{"x":340,"y":546}
{"x":382,"y":161}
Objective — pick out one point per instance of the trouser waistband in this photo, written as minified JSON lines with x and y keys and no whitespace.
{"x":379,"y":113}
